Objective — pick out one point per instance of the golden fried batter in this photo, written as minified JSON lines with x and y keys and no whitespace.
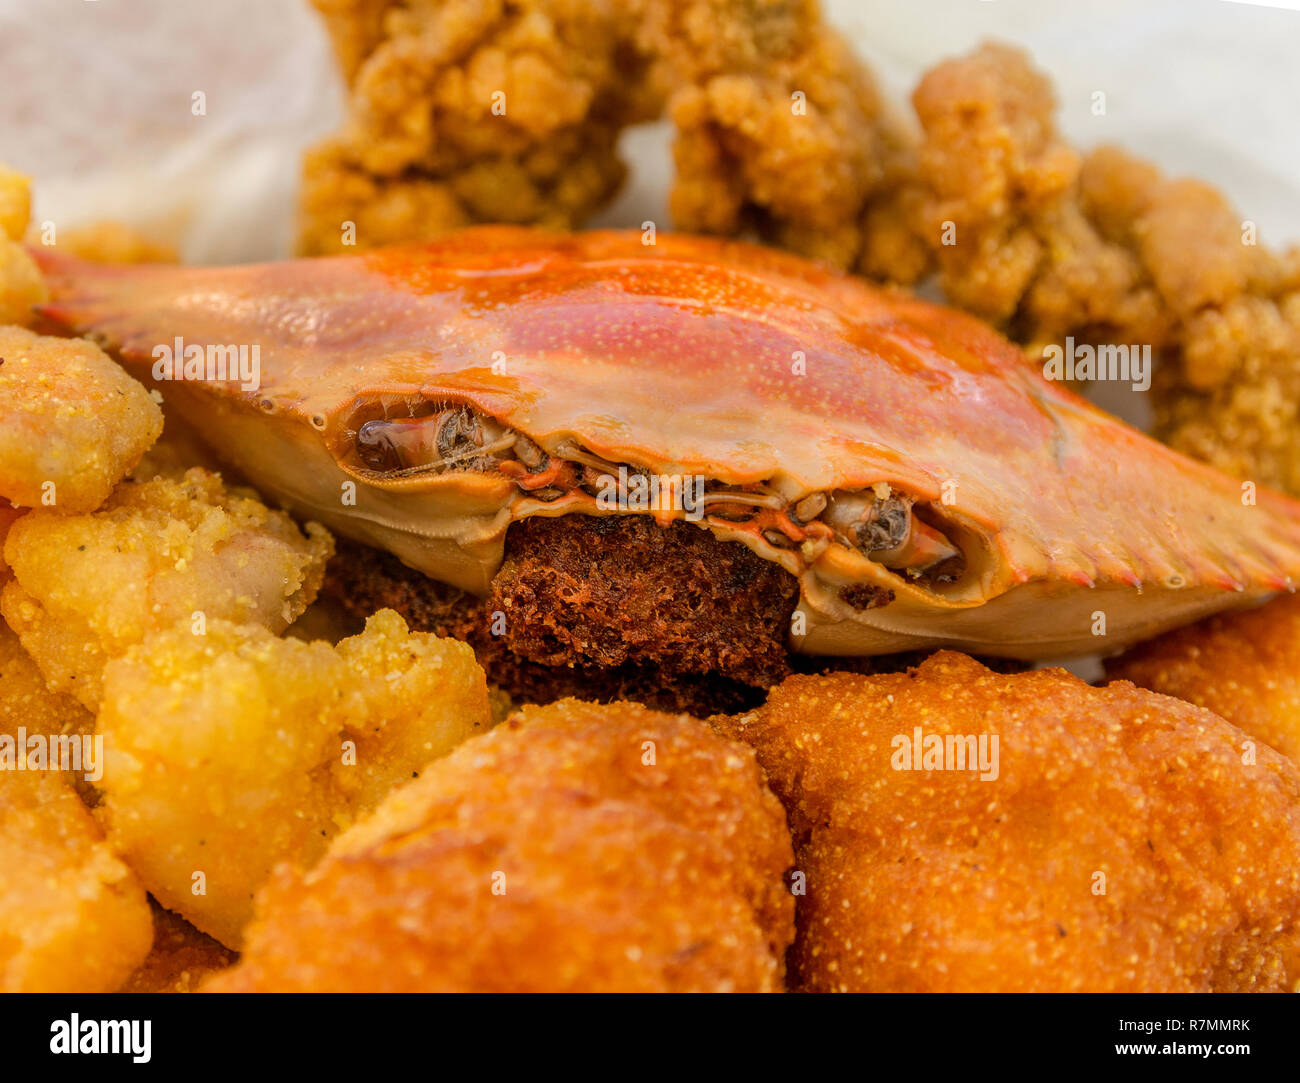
{"x":1243,"y":666}
{"x":576,"y":847}
{"x":1046,"y":243}
{"x":8,"y":516}
{"x":779,"y":127}
{"x":229,"y":752}
{"x":1119,"y":841}
{"x":21,"y":285}
{"x":471,"y":111}
{"x":87,"y":587}
{"x":15,"y":203}
{"x":72,"y":424}
{"x":72,"y":917}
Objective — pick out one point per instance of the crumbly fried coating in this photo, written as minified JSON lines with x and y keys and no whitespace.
{"x":87,"y":587}
{"x":229,"y":752}
{"x":1127,"y":842}
{"x":73,"y":918}
{"x":779,"y":127}
{"x":1047,"y":243}
{"x":569,"y":612}
{"x":72,"y":423}
{"x":180,"y":959}
{"x":474,"y":110}
{"x":1244,"y":666}
{"x":574,"y":848}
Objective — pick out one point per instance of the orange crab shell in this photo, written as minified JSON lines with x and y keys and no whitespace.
{"x":695,"y":356}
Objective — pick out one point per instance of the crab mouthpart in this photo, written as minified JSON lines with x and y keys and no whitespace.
{"x":883,"y":526}
{"x":448,"y":439}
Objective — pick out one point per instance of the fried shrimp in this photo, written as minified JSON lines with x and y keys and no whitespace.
{"x":73,"y":918}
{"x":87,"y":587}
{"x":961,"y":830}
{"x":229,"y":752}
{"x":21,"y":285}
{"x":72,"y":424}
{"x":1243,"y":666}
{"x":574,"y":848}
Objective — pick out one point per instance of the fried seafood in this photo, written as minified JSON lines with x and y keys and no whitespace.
{"x":922,"y":485}
{"x":1048,"y":243}
{"x":15,"y":203}
{"x":574,"y":848}
{"x":471,"y":111}
{"x":87,"y":587}
{"x":1243,"y":666}
{"x":779,"y":128}
{"x":229,"y":752}
{"x":73,"y":918}
{"x":960,"y":830}
{"x":72,"y":423}
{"x":21,"y":285}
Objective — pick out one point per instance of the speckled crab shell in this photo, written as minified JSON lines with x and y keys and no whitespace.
{"x":755,"y":369}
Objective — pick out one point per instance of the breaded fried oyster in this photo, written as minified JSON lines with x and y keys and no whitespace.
{"x":574,"y":848}
{"x":961,"y":830}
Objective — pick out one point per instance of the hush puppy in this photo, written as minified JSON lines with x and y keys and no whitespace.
{"x":1243,"y":666}
{"x":576,"y":847}
{"x":963,"y":830}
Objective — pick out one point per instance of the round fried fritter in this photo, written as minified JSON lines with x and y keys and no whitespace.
{"x":1118,"y":841}
{"x":158,"y":552}
{"x":229,"y":752}
{"x":1243,"y":666}
{"x":576,"y":847}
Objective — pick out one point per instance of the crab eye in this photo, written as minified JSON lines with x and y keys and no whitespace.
{"x":455,"y":438}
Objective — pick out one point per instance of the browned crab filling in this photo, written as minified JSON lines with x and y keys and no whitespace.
{"x":401,"y":439}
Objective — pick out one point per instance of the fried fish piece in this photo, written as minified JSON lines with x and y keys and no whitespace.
{"x":1244,"y":666}
{"x":229,"y":752}
{"x":574,"y":848}
{"x":72,"y":423}
{"x":1110,"y":840}
{"x":87,"y":587}
{"x":73,"y":918}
